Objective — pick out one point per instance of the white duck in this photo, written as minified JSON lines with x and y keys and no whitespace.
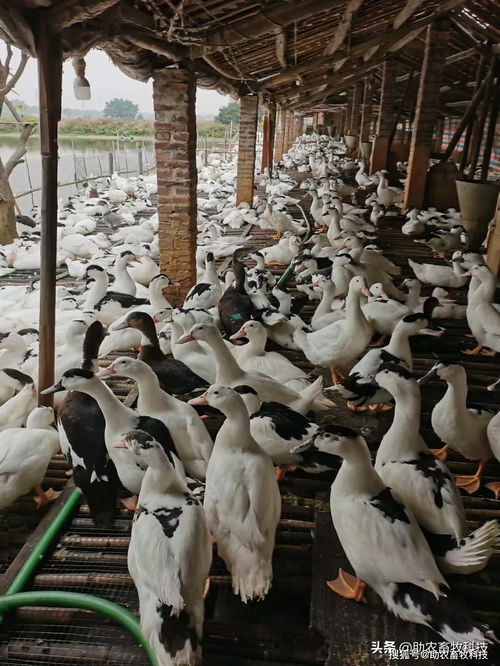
{"x":483,"y":316}
{"x":123,"y":283}
{"x":229,"y":373}
{"x":337,"y":345}
{"x":169,"y":556}
{"x":191,"y":439}
{"x":25,"y":454}
{"x":424,"y":483}
{"x":387,"y":549}
{"x":453,"y":276}
{"x":459,"y":428}
{"x":242,"y":499}
{"x":14,"y":412}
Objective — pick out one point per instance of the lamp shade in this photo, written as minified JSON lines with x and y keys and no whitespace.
{"x":81,"y":88}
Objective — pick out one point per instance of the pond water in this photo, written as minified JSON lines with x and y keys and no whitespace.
{"x":78,"y":158}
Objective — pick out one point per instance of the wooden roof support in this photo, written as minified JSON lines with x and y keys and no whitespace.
{"x":268,"y":128}
{"x":464,"y":160}
{"x":49,"y":54}
{"x":422,"y":142}
{"x":348,"y":113}
{"x":385,"y":118}
{"x":68,"y":13}
{"x":408,"y":10}
{"x":265,"y":21}
{"x":357,"y":98}
{"x":343,"y":26}
{"x":490,"y":136}
{"x":366,"y":110}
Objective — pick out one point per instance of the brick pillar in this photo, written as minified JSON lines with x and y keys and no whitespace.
{"x":385,"y":119}
{"x":427,"y":109}
{"x":174,"y":94}
{"x":249,"y":105}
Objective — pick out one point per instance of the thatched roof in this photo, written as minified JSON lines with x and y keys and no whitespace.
{"x":298,"y":53}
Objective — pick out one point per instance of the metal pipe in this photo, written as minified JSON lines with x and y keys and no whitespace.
{"x":85,"y":601}
{"x":47,"y":539}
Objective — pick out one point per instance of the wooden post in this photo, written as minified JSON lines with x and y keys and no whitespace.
{"x":366,"y":111}
{"x":346,"y":126}
{"x":490,"y":136}
{"x":438,"y":139}
{"x":356,"y":109}
{"x":272,"y":130}
{"x":493,"y":244}
{"x":140,"y":164}
{"x":174,"y":95}
{"x":427,"y":108}
{"x":49,"y":54}
{"x":265,"y":142}
{"x":249,"y":105}
{"x":385,"y":118}
{"x":280,"y":134}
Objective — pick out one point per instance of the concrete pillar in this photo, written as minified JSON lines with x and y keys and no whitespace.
{"x":265,"y":142}
{"x":427,"y":109}
{"x":249,"y":105}
{"x":174,"y":95}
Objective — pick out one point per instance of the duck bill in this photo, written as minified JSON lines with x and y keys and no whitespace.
{"x":189,"y":337}
{"x":120,"y":444}
{"x":55,"y":388}
{"x":365,"y":291}
{"x":200,"y":400}
{"x":106,"y":372}
{"x":239,"y":334}
{"x":305,"y":446}
{"x":430,"y":331}
{"x":119,"y":327}
{"x":432,"y":374}
{"x":493,"y":386}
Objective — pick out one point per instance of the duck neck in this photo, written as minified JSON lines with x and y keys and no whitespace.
{"x":156,"y":297}
{"x":237,"y":423}
{"x":413,"y":297}
{"x":456,"y":394}
{"x":353,"y":312}
{"x":399,"y":344}
{"x":356,"y":473}
{"x":485,"y":290}
{"x":115,"y":413}
{"x":150,"y":346}
{"x":210,"y":275}
{"x":239,"y":276}
{"x":151,"y":396}
{"x":227,"y":369}
{"x":325,"y":305}
{"x":160,"y":478}
{"x":404,"y":433}
{"x":97,"y":292}
{"x":257,"y":343}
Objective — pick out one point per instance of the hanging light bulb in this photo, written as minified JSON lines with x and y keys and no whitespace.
{"x":81,"y":86}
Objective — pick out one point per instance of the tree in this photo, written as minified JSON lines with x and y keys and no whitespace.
{"x":120,"y":108}
{"x":228,"y":113}
{"x":8,"y":79}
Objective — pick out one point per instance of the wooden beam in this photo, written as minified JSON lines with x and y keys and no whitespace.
{"x":263,"y":22}
{"x":464,"y":160}
{"x":343,"y":27}
{"x":408,"y":10}
{"x":366,"y":111}
{"x":281,"y":47}
{"x":477,"y":136}
{"x":49,"y":54}
{"x":469,"y":112}
{"x":380,"y":148}
{"x":384,"y":41}
{"x":492,"y":125}
{"x":422,"y":142}
{"x":63,"y":15}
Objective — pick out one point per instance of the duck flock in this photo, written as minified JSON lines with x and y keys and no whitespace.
{"x":400,"y":519}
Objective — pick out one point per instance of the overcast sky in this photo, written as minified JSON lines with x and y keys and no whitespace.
{"x":107,"y":81}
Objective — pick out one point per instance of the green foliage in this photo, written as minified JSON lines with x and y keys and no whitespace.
{"x":105,"y":127}
{"x":120,"y":108}
{"x":228,"y":113}
{"x":211,"y":129}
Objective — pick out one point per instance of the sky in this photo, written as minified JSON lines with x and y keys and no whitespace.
{"x":107,"y":81}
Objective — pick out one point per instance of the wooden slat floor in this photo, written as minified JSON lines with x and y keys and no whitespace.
{"x":301,"y":621}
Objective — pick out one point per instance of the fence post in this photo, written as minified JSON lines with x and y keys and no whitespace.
{"x":140,"y":164}
{"x":110,"y":163}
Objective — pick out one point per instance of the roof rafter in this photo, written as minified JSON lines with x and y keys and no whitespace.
{"x":343,"y":27}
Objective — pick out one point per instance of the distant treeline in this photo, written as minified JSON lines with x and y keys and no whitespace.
{"x":111,"y":127}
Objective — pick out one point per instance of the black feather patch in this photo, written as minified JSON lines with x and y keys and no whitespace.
{"x":396,"y":369}
{"x":288,"y":423}
{"x":447,"y":611}
{"x":389,"y":507}
{"x":340,"y":431}
{"x":430,"y":467}
{"x":159,"y":431}
{"x":176,"y":630}
{"x":168,"y":518}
